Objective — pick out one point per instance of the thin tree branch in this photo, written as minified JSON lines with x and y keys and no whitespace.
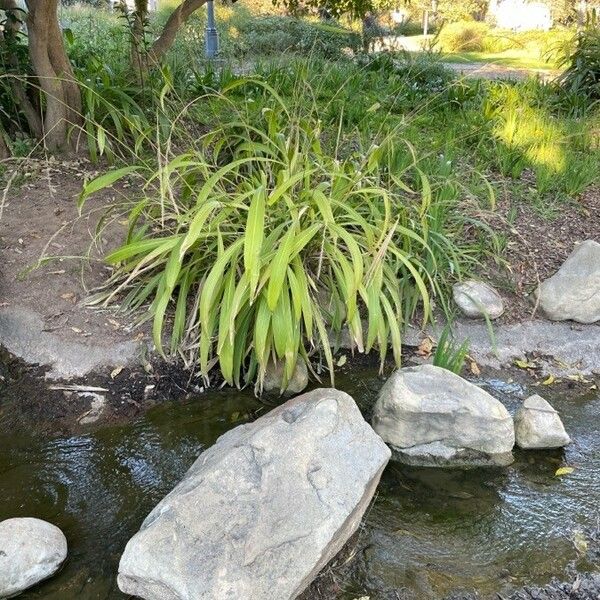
{"x":177,"y":18}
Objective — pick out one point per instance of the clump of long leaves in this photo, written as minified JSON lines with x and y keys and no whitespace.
{"x":263,"y":245}
{"x":449,"y":355}
{"x":582,"y":73}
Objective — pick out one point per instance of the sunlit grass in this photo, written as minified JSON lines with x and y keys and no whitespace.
{"x":514,"y":58}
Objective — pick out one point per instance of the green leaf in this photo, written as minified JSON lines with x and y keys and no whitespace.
{"x":141,"y":247}
{"x":282,"y":324}
{"x":197,"y":225}
{"x":104,"y":181}
{"x":101,"y":136}
{"x":279,"y":268}
{"x":305,"y":297}
{"x":261,"y":331}
{"x":253,"y":238}
{"x":214,"y":281}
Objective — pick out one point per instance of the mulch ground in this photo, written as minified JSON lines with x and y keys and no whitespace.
{"x":537,"y":243}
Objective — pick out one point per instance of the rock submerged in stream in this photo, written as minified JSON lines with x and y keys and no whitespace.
{"x":432,"y":417}
{"x":261,"y":512}
{"x":573,"y":292}
{"x":31,"y":550}
{"x":538,"y":426}
{"x":586,"y":586}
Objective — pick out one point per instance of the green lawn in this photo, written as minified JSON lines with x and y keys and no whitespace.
{"x":516,"y":58}
{"x":526,"y":57}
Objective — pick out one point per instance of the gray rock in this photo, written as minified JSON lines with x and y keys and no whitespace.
{"x":22,"y":333}
{"x":563,"y":348}
{"x":31,"y":550}
{"x":261,"y":512}
{"x":537,"y":425}
{"x":573,"y":292}
{"x":477,"y":299}
{"x":274,"y":378}
{"x":432,"y":417}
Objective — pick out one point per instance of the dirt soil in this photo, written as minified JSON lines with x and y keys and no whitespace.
{"x":51,"y":255}
{"x":58,"y":409}
{"x":536,"y":246}
{"x":491,"y":70}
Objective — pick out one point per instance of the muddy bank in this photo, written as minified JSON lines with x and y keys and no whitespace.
{"x":58,"y":407}
{"x":123,"y":394}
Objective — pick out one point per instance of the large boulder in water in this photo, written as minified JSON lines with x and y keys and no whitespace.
{"x":573,"y":292}
{"x":537,"y":425}
{"x":261,"y":512}
{"x":432,"y":417}
{"x":31,"y":550}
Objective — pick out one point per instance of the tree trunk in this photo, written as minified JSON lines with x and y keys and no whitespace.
{"x":139,"y":54}
{"x":62,"y":66}
{"x":41,"y":12}
{"x":4,"y":150}
{"x":582,"y":9}
{"x":53,"y":71}
{"x":177,"y":18}
{"x":12,"y":29}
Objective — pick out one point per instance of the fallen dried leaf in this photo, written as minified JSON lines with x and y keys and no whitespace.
{"x":524,"y":364}
{"x":563,"y":471}
{"x":425,"y":347}
{"x":579,"y":377}
{"x":475,"y":370}
{"x":116,"y":371}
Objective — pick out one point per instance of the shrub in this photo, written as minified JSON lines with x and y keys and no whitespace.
{"x":96,"y":33}
{"x":275,"y":35}
{"x":582,"y":75}
{"x":463,"y":36}
{"x":264,"y":242}
{"x":542,"y":45}
{"x":14,"y":65}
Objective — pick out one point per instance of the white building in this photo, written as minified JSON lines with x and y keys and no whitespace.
{"x":520,"y":15}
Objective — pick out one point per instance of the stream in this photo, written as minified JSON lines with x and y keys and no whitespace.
{"x":430,"y":533}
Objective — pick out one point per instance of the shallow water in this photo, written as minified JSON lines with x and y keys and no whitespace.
{"x":430,"y":532}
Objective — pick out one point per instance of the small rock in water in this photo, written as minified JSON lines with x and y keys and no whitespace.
{"x":432,"y":417}
{"x":477,"y":299}
{"x":537,"y":425}
{"x":573,"y":292}
{"x":274,"y":378}
{"x":261,"y":512}
{"x":31,"y":550}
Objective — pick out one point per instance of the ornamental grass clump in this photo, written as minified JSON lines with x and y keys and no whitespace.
{"x":259,"y":245}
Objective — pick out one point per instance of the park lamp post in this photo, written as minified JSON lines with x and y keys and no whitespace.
{"x":212,"y":37}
